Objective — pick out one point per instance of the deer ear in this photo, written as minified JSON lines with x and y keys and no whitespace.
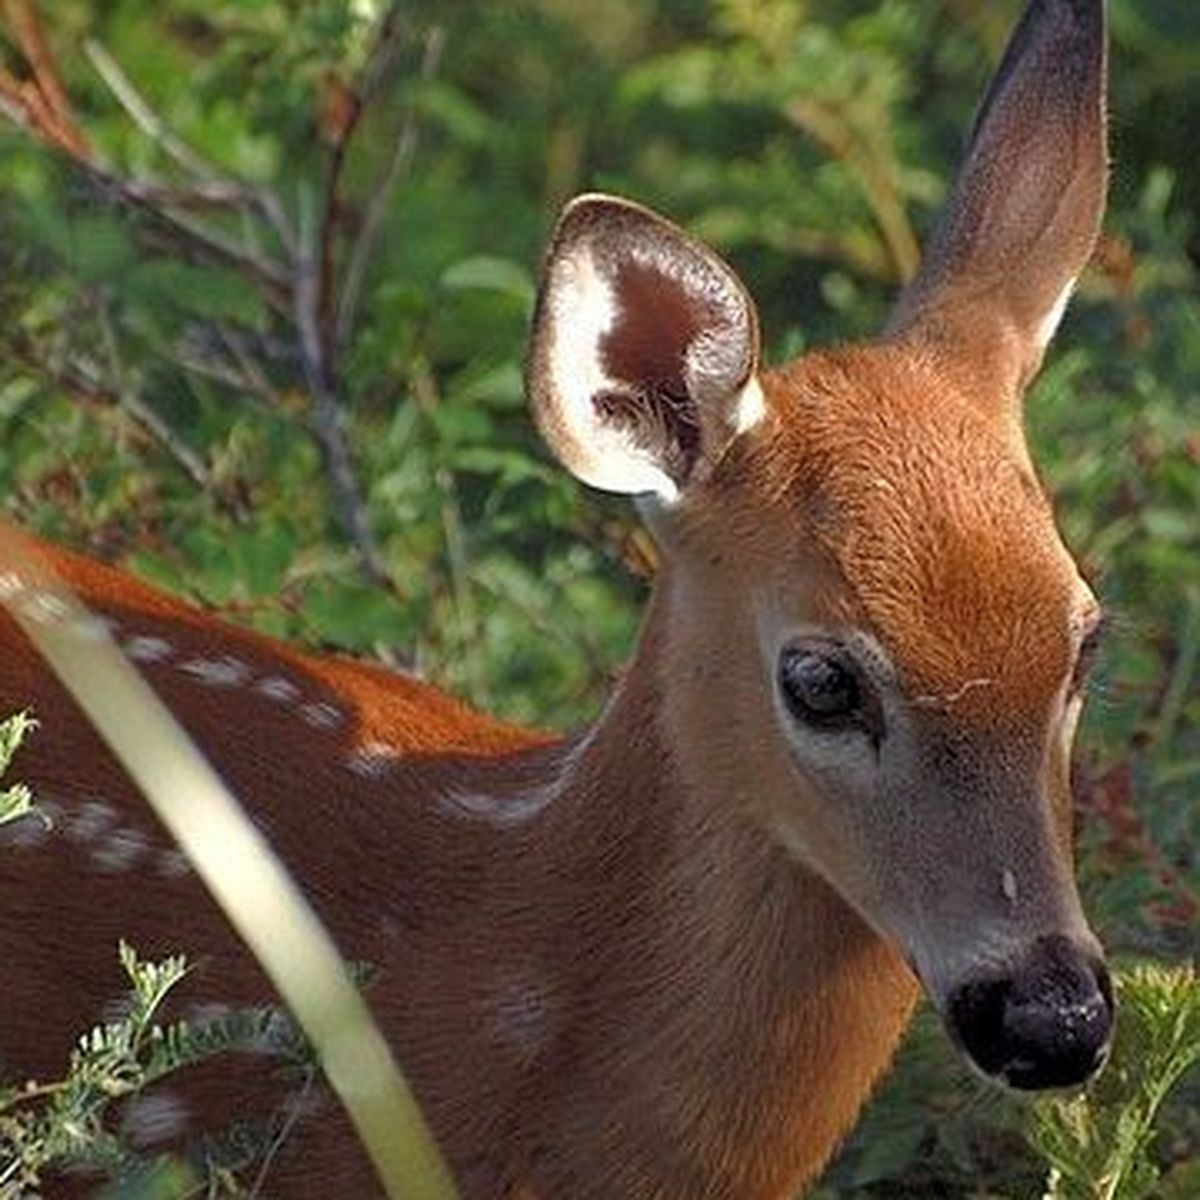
{"x":644,"y":351}
{"x":1023,"y":216}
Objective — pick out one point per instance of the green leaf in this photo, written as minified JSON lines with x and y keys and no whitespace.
{"x":491,"y":274}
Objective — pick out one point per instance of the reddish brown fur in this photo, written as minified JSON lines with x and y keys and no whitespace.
{"x":663,"y":1077}
{"x":934,"y":529}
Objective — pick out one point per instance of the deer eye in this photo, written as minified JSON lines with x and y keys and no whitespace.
{"x":821,"y":687}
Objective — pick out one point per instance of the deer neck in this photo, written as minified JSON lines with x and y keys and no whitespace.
{"x":735,"y":1009}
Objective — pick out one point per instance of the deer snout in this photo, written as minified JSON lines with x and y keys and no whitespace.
{"x":1045,"y":1023}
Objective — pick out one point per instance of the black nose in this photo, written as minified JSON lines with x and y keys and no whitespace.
{"x":1045,"y":1023}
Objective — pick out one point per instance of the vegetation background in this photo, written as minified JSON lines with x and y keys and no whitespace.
{"x":265,"y":272}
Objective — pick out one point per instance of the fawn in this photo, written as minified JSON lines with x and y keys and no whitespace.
{"x":667,"y":956}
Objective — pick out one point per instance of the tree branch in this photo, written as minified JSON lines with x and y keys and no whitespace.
{"x":85,"y":381}
{"x":327,"y":420}
{"x":403,"y":149}
{"x":43,"y":98}
{"x":380,"y":65}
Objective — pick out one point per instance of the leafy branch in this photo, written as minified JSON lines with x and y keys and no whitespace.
{"x":306,"y":270}
{"x":16,"y":800}
{"x":45,"y":1126}
{"x":1098,"y":1144}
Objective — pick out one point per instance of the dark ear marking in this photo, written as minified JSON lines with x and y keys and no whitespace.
{"x":643,"y":347}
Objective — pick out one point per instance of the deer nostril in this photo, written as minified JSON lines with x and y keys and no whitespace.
{"x":1045,"y":1024}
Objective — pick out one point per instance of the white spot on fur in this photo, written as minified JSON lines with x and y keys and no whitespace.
{"x":1050,"y":322}
{"x":208,"y":1012}
{"x":120,"y":851}
{"x":278,"y":688}
{"x":1008,"y":885}
{"x":42,"y":607}
{"x":154,"y":1118}
{"x":507,"y":811}
{"x":145,"y":649}
{"x":520,"y":1015}
{"x":503,"y":811}
{"x":224,"y":672}
{"x":27,"y":831}
{"x":11,"y":585}
{"x":172,"y":864}
{"x":372,"y":760}
{"x":54,"y":811}
{"x":321,"y":715}
{"x":90,"y":820}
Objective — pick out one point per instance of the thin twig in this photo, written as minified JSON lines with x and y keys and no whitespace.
{"x":403,"y":149}
{"x":202,"y":195}
{"x":213,"y":180}
{"x":425,"y":393}
{"x":246,"y":364}
{"x":327,"y":419}
{"x":42,"y":109}
{"x":187,"y":237}
{"x":196,"y":364}
{"x":151,"y":124}
{"x":192,"y":239}
{"x":381,"y":64}
{"x":875,"y":170}
{"x":84,"y":380}
{"x":131,"y":403}
{"x":45,"y":98}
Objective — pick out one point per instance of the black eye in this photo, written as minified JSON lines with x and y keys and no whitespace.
{"x":821,"y":688}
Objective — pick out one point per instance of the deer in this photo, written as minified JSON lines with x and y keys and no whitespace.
{"x":670,"y":954}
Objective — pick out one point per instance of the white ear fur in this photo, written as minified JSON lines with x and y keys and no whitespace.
{"x":583,"y":312}
{"x":643,"y":351}
{"x":1048,"y":326}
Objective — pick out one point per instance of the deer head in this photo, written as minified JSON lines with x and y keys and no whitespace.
{"x":875,"y":643}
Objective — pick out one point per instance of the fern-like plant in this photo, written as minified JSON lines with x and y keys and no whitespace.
{"x":16,"y":800}
{"x":1099,"y":1144}
{"x":66,"y":1122}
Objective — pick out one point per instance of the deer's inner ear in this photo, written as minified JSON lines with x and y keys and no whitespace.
{"x":644,"y":347}
{"x":1024,"y":213}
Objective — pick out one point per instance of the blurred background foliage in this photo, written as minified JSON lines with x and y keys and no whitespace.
{"x":265,"y":272}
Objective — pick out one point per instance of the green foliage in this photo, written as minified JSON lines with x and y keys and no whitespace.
{"x":156,"y":410}
{"x":16,"y":800}
{"x":1099,"y":1145}
{"x":68,"y":1122}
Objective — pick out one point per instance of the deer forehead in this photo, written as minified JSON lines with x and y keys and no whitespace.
{"x":932,"y":535}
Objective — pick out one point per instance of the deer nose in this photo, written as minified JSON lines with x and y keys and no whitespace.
{"x":1047,"y":1023}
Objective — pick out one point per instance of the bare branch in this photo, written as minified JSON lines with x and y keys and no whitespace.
{"x":380,"y":65}
{"x":44,"y":98}
{"x":327,"y":416}
{"x":85,"y":381}
{"x":131,"y":402}
{"x":193,"y":240}
{"x":215,"y":185}
{"x":403,"y":149}
{"x":153,"y":125}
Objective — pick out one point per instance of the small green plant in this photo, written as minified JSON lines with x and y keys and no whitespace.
{"x":1099,"y":1144}
{"x":45,"y":1123}
{"x":16,"y":800}
{"x":66,"y":1122}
